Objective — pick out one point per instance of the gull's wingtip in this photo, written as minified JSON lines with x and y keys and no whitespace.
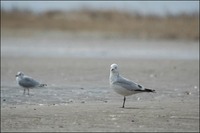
{"x":43,"y":85}
{"x":150,"y":90}
{"x":146,"y":90}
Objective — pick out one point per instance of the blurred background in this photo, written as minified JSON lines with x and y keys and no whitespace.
{"x":168,"y":19}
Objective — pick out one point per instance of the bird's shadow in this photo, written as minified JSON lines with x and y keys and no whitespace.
{"x":139,"y":108}
{"x":130,"y":108}
{"x":136,"y":108}
{"x":26,"y":95}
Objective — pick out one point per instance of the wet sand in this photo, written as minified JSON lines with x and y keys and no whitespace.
{"x":78,"y":97}
{"x":81,"y":100}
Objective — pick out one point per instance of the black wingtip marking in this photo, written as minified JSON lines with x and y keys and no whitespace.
{"x":146,"y":90}
{"x":139,"y":86}
{"x":149,"y":90}
{"x":43,"y":85}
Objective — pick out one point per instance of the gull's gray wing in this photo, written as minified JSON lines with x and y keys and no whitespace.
{"x":127,"y":84}
{"x":28,"y":82}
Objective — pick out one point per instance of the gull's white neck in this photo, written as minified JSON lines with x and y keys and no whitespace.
{"x":19,"y":78}
{"x":113,"y":76}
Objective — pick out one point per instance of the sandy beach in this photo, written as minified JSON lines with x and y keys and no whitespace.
{"x":78,"y":97}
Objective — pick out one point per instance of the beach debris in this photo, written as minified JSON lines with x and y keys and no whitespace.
{"x":188,"y":93}
{"x":105,"y":101}
{"x":152,"y":75}
{"x":141,"y":126}
{"x":195,"y":87}
{"x":160,"y":116}
{"x":179,"y":94}
{"x":113,"y":117}
{"x":82,"y":88}
{"x":70,"y":101}
{"x":132,"y":121}
{"x":173,"y":116}
{"x":122,"y":111}
{"x":176,"y":89}
{"x":138,"y":99}
{"x":4,"y":99}
{"x":117,"y":125}
{"x":82,"y":101}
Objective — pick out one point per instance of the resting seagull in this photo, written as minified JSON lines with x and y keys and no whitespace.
{"x":124,"y":86}
{"x":27,"y":82}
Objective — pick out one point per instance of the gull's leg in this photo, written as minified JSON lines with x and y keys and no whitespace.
{"x":28,"y":91}
{"x":24,"y":91}
{"x":124,"y":102}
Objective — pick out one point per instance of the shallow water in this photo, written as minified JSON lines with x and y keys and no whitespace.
{"x":91,"y":47}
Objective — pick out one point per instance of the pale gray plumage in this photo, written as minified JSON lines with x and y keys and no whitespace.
{"x":123,"y":86}
{"x":27,"y":82}
{"x":129,"y":85}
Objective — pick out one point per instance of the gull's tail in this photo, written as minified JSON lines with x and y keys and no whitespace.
{"x":146,"y":90}
{"x":42,"y":85}
{"x":149,"y":90}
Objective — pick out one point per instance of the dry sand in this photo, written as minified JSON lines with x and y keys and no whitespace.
{"x":78,"y":97}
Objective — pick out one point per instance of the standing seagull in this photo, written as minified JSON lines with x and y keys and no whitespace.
{"x":27,"y":82}
{"x":124,"y":86}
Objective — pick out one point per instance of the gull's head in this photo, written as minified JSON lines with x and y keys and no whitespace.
{"x":114,"y":68}
{"x":20,"y":74}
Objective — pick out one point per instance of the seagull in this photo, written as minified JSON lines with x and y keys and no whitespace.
{"x":123,"y":86}
{"x":27,"y":82}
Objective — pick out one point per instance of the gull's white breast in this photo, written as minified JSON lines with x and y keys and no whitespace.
{"x":121,"y":90}
{"x":17,"y":79}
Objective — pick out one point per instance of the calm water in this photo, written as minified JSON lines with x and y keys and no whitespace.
{"x":56,"y":45}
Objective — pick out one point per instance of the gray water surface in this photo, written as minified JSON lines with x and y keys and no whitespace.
{"x":56,"y":46}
